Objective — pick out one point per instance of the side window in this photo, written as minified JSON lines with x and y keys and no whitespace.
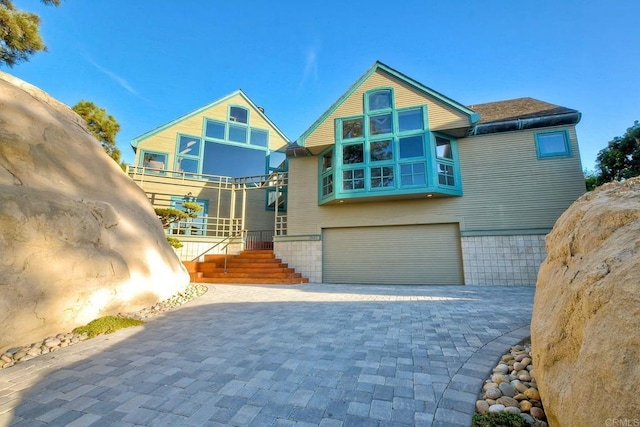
{"x":553,"y":144}
{"x":153,"y":161}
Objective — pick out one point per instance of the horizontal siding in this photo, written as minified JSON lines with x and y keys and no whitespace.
{"x":414,"y":254}
{"x":504,"y":185}
{"x":166,"y":140}
{"x":441,"y":116}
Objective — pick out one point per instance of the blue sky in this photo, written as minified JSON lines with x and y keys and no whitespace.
{"x":149,"y":62}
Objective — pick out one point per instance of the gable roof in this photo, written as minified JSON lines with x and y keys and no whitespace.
{"x":519,"y":108}
{"x":135,"y":141}
{"x":473,"y":116}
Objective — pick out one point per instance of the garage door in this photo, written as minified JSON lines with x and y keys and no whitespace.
{"x":408,"y":254}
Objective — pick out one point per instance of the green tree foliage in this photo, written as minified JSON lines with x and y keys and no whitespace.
{"x":19,"y":33}
{"x":620,"y":160}
{"x":168,"y":216}
{"x":101,"y":125}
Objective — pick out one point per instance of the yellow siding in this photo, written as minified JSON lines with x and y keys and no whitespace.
{"x":165,"y":141}
{"x":505,"y":187}
{"x":441,"y":116}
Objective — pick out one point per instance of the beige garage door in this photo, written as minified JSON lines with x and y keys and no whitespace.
{"x":408,"y":254}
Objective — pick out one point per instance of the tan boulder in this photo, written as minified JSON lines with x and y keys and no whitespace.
{"x":79,"y":239}
{"x":585,"y":328}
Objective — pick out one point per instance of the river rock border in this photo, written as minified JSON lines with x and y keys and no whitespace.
{"x":512,"y":387}
{"x":23,"y":353}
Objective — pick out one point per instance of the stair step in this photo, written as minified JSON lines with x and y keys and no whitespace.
{"x":253,"y":275}
{"x":252,"y":281}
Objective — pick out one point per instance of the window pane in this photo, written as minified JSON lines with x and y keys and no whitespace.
{"x":353,"y":179}
{"x":277,"y":160}
{"x":445,"y":175}
{"x":382,"y":177}
{"x":380,"y":100}
{"x":443,"y":148}
{"x":271,"y":199}
{"x":187,"y":165}
{"x":352,"y":153}
{"x":410,"y":120}
{"x":229,"y":160}
{"x":154,"y":160}
{"x":380,"y":124}
{"x":238,"y":114}
{"x":327,"y":161}
{"x":327,"y":185}
{"x":215,"y":130}
{"x":381,"y":150}
{"x":237,"y":134}
{"x":259,"y":137}
{"x":351,"y":128}
{"x":552,"y":143}
{"x":412,"y":146}
{"x":413,"y":174}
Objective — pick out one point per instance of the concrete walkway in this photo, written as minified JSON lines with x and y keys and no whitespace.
{"x":308,"y":355}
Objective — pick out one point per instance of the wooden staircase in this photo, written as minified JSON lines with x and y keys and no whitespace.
{"x":248,"y":267}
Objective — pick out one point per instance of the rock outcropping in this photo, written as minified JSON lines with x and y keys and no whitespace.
{"x":78,"y":238}
{"x":585,"y":329}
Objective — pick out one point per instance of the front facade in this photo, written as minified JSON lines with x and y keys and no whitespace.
{"x":398,"y":184}
{"x":394,"y":184}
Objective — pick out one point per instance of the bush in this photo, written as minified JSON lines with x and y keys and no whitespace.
{"x":106,"y":325}
{"x":498,"y":419}
{"x":174,"y":242}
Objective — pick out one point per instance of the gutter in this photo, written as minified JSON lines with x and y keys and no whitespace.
{"x":571,"y":118}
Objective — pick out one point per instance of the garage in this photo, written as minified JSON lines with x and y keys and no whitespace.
{"x":406,"y":254}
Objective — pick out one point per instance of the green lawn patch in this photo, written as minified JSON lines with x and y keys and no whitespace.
{"x":106,"y":325}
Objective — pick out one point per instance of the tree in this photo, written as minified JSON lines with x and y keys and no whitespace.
{"x":168,"y":216}
{"x":101,"y":125}
{"x":620,"y":160}
{"x":19,"y":33}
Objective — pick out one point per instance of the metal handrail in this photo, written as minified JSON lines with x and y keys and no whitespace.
{"x":229,"y":238}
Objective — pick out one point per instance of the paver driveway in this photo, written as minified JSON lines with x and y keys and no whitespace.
{"x":329,"y":355}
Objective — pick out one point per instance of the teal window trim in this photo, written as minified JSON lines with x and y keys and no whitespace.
{"x":229,"y":116}
{"x":567,"y":152}
{"x":156,"y":171}
{"x":281,"y":207}
{"x":420,"y":171}
{"x":194,"y":226}
{"x":197,"y":157}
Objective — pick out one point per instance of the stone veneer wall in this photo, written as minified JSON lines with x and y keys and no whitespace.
{"x":303,"y":255}
{"x":502,"y":260}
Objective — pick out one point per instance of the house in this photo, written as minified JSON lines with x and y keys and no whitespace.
{"x":394,"y":184}
{"x":229,"y":158}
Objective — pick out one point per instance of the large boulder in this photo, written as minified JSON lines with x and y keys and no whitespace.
{"x":585,"y":329}
{"x":79,"y":239}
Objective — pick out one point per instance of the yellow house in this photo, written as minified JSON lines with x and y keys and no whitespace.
{"x":226,"y":156}
{"x":395,"y":183}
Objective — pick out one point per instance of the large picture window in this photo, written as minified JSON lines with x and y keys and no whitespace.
{"x":387,"y":151}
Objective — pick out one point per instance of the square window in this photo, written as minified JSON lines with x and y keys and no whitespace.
{"x":381,"y":150}
{"x":410,"y":120}
{"x":187,"y":165}
{"x":353,"y":179}
{"x":157,"y":161}
{"x":445,"y":175}
{"x":259,"y":137}
{"x":352,"y":153}
{"x":552,"y":144}
{"x":413,"y":174}
{"x":412,"y":146}
{"x":215,"y":129}
{"x":189,"y":146}
{"x":351,"y":128}
{"x":443,"y":148}
{"x":382,"y":177}
{"x":238,"y":114}
{"x":380,"y":124}
{"x":238,"y":134}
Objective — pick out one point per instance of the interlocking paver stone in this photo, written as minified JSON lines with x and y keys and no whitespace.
{"x":315,"y":354}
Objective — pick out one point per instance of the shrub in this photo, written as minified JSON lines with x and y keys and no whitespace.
{"x":498,"y":419}
{"x":174,"y":242}
{"x":106,"y":325}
